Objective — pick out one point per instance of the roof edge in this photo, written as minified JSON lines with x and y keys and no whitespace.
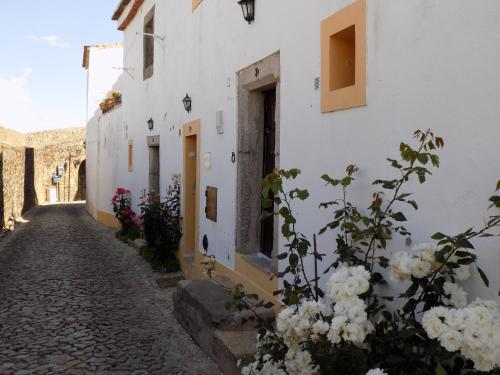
{"x":119,"y":9}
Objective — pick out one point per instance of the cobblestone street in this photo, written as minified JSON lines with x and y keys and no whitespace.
{"x":75,"y":300}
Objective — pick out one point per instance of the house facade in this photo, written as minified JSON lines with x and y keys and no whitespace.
{"x":314,"y":86}
{"x":103,"y":65}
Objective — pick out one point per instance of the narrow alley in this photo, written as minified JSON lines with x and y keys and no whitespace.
{"x":75,"y":300}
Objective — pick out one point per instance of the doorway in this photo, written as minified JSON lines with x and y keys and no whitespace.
{"x":268,"y":166}
{"x":81,"y":194}
{"x":154,"y":169}
{"x":191,"y":193}
{"x":258,"y":155}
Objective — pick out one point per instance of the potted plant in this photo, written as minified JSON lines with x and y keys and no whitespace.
{"x":117,"y":97}
{"x":102,"y":105}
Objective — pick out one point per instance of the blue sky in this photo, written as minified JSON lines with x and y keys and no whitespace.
{"x":42,"y":82}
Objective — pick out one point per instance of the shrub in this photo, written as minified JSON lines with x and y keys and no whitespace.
{"x":346,"y":328}
{"x":122,"y":208}
{"x":162,"y":227}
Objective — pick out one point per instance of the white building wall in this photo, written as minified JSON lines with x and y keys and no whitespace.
{"x":432,"y":64}
{"x":104,"y":68}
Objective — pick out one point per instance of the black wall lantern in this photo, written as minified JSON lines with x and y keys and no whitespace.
{"x":151,"y":124}
{"x":248,"y":8}
{"x":187,"y":103}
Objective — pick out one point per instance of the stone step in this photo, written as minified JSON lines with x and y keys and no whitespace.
{"x":233,"y":347}
{"x":199,"y":305}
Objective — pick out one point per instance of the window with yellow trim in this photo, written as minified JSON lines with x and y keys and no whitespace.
{"x":343,"y":58}
{"x":130,"y":156}
{"x":196,"y":3}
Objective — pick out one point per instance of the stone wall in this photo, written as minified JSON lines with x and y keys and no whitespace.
{"x":28,"y":163}
{"x":12,"y":167}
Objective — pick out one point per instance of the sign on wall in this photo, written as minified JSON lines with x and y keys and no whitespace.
{"x":60,"y":170}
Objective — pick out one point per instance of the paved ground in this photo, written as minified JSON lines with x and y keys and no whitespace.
{"x":74,"y":300}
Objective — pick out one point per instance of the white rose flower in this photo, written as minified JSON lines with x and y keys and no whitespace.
{"x":426,"y":252}
{"x":337,"y":325}
{"x":312,"y":309}
{"x":400,"y":266}
{"x":361,"y":272}
{"x":299,"y":363}
{"x":353,"y":333}
{"x":363,"y":284}
{"x":318,"y":329}
{"x":333,"y":291}
{"x":340,"y":275}
{"x":489,"y":304}
{"x":432,"y":321}
{"x":376,"y":371}
{"x":350,"y":287}
{"x":333,"y":336}
{"x":357,"y":314}
{"x":339,"y":322}
{"x":475,"y":336}
{"x":420,"y":268}
{"x":456,"y":319}
{"x":272,"y":368}
{"x":480,"y":316}
{"x":343,"y":306}
{"x":458,"y":296}
{"x":483,"y":364}
{"x":451,"y":340}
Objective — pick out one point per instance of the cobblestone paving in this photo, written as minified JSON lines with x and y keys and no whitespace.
{"x":74,"y":300}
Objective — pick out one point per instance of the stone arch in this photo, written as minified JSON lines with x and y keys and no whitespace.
{"x":81,"y":193}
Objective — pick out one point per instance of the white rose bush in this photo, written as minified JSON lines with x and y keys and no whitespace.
{"x":347,"y":327}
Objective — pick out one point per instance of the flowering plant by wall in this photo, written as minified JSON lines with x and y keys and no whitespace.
{"x":122,"y":209}
{"x":161,"y":225}
{"x":112,"y":99}
{"x":347,"y":326}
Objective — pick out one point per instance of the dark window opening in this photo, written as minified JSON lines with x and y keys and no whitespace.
{"x":154,"y":169}
{"x":268,"y":166}
{"x":149,"y":43}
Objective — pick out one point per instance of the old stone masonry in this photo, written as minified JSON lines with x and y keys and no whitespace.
{"x":74,"y":300}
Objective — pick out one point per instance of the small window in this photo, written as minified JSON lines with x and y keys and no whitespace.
{"x":343,"y":58}
{"x":130,"y":156}
{"x":149,"y":43}
{"x":195,"y":4}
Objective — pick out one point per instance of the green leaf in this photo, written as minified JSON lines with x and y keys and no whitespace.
{"x":483,"y":277}
{"x":346,"y":181}
{"x":423,"y":158}
{"x":293,"y":259}
{"x":410,"y":292}
{"x":495,"y":200}
{"x":438,"y":236}
{"x":464,"y":243}
{"x":465,"y":261}
{"x":435,"y":160}
{"x":440,"y":370}
{"x":398,"y":216}
{"x":329,"y":180}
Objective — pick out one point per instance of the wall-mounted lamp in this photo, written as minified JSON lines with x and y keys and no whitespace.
{"x":248,"y":8}
{"x":187,"y":103}
{"x":151,"y":124}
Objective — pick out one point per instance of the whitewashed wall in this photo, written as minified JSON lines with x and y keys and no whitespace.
{"x":102,"y":73}
{"x":432,"y":63}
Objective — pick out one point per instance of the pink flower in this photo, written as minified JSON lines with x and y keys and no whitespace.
{"x":122,"y":191}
